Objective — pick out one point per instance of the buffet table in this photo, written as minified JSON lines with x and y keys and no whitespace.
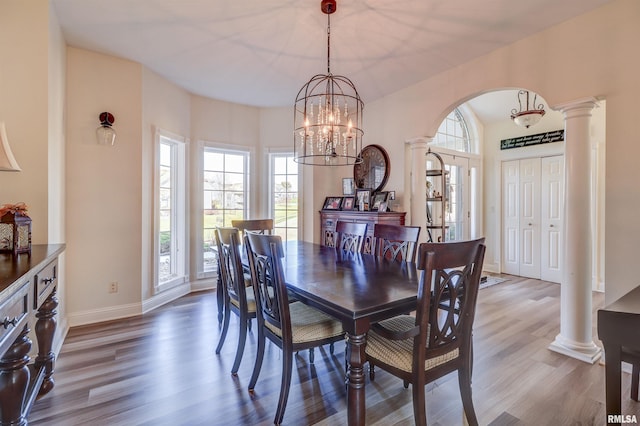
{"x":28,"y":284}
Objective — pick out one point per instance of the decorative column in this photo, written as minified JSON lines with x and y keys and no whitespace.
{"x":418,"y":196}
{"x":575,"y":338}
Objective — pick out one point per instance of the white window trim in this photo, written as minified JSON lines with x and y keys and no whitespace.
{"x":202,"y":145}
{"x":276,"y":151}
{"x":180,"y":205}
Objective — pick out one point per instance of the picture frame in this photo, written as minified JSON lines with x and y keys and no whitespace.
{"x":332,"y":203}
{"x":391,"y":196}
{"x":378,"y":198}
{"x":348,"y":203}
{"x":348,"y":186}
{"x":363,"y":194}
{"x":383,"y":207}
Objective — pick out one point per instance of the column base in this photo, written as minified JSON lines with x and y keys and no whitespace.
{"x":587,"y":352}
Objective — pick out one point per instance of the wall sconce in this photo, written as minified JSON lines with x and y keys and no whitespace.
{"x":7,"y":161}
{"x":106,"y":134}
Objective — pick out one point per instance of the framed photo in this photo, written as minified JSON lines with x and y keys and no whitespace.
{"x":378,"y":198}
{"x":363,"y":195}
{"x":348,"y":186}
{"x":391,"y":196}
{"x":348,"y":203}
{"x":332,"y":203}
{"x":383,"y":207}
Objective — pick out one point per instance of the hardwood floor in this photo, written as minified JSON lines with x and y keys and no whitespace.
{"x":161,"y":369}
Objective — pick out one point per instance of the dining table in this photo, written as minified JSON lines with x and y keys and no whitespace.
{"x":358,"y":290}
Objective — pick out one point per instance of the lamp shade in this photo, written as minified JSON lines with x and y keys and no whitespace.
{"x":8,"y":162}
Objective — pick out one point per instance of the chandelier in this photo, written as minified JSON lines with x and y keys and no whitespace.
{"x":531,"y":114}
{"x":328,"y":115}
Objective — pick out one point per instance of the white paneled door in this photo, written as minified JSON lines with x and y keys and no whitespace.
{"x":532,"y":197}
{"x":552,"y":201}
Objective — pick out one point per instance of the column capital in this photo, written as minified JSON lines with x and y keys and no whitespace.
{"x":419,"y":142}
{"x":577,"y":107}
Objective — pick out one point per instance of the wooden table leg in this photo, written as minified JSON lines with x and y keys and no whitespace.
{"x":355,"y":379}
{"x":45,"y":331}
{"x":14,"y":378}
{"x":612,"y":380}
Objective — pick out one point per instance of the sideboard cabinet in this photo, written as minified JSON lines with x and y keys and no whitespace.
{"x":328,"y":219}
{"x":28,"y":283}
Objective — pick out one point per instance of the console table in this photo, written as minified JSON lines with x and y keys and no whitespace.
{"x":618,"y":328}
{"x":328,"y":219}
{"x":27,"y":294}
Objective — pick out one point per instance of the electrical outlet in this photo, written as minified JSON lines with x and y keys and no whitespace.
{"x":113,"y":287}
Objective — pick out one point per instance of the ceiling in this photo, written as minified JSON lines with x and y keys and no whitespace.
{"x":261,"y":52}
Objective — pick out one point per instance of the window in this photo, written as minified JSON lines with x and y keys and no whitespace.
{"x":451,"y":140}
{"x":284,"y":190}
{"x":452,"y":133}
{"x":225,"y":191}
{"x":170,"y":207}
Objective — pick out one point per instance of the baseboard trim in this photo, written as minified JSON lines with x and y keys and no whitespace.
{"x":132,"y":309}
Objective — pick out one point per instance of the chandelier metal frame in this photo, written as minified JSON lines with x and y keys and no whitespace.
{"x":328,"y":115}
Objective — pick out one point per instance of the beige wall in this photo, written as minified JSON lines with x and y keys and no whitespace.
{"x":24,"y":104}
{"x":165,"y":107}
{"x":103,"y":186}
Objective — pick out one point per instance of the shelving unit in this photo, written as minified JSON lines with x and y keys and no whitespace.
{"x":436,"y":186}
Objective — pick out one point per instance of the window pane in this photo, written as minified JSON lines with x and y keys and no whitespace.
{"x":225,"y":194}
{"x":284,"y":195}
{"x":213,"y":160}
{"x":280,"y":165}
{"x":165,"y":154}
{"x":234,"y":182}
{"x":213,"y":180}
{"x":233,"y":200}
{"x":234,"y":163}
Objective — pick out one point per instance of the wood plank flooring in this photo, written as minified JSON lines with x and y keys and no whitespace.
{"x":161,"y":369}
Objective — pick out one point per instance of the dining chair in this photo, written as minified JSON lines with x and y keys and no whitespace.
{"x":396,"y":242}
{"x":633,"y":358}
{"x":438,"y":340}
{"x":237,"y":297}
{"x":350,"y":235}
{"x":260,"y":226}
{"x":290,"y":326}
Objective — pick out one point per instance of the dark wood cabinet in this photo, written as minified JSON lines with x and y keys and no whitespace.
{"x":28,"y":298}
{"x":328,"y":219}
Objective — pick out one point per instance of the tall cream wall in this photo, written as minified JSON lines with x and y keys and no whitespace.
{"x":231,"y":125}
{"x":104,"y":187}
{"x":24,"y":103}
{"x":592,"y":55}
{"x":166,"y":107}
